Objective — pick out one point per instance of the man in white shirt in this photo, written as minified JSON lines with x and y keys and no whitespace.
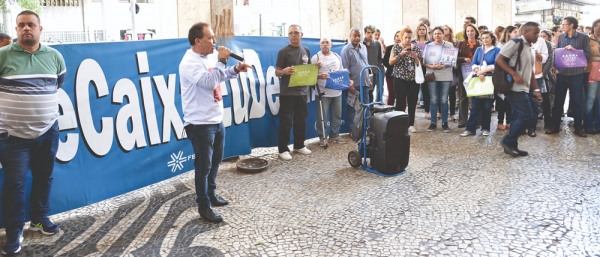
{"x":540,"y":53}
{"x":330,"y":98}
{"x":203,"y":112}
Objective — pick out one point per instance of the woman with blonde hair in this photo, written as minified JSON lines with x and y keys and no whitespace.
{"x":422,"y":39}
{"x":499,"y":32}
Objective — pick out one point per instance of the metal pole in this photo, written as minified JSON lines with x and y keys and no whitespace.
{"x":132,"y":7}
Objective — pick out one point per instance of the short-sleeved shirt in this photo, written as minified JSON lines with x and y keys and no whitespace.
{"x":405,"y":67}
{"x":510,"y":50}
{"x":29,"y":90}
{"x":287,"y":57}
{"x":329,"y":63}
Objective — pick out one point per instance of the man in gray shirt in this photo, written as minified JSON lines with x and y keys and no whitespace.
{"x":292,"y":100}
{"x":354,"y":58}
{"x":524,"y":78}
{"x":374,"y":57}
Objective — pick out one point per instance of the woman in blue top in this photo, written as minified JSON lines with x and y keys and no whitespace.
{"x":483,"y":66}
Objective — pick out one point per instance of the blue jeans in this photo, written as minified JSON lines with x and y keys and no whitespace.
{"x":592,"y":115}
{"x":522,"y":116}
{"x":208,"y":141}
{"x":335,"y":120}
{"x":350,"y":112}
{"x":438,"y":90}
{"x":481,"y":106}
{"x":535,"y":106}
{"x":17,"y":156}
{"x":575,"y":85}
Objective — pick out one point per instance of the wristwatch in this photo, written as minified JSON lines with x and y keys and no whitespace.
{"x":223,"y":60}
{"x":536,"y":90}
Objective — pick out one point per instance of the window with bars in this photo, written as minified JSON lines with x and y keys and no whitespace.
{"x":60,"y":2}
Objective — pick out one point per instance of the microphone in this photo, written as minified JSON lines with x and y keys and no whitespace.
{"x":232,"y":55}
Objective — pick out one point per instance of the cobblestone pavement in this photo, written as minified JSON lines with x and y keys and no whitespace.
{"x":460,"y":197}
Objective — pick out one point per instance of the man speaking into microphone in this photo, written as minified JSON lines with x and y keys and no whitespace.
{"x":203,"y":112}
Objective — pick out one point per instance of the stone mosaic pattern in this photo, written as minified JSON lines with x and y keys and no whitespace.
{"x":460,"y":197}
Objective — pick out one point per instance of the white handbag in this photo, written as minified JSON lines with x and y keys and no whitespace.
{"x":419,"y":77}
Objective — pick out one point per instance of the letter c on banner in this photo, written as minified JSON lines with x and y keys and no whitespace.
{"x":90,"y":71}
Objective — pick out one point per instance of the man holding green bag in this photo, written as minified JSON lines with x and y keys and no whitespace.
{"x":292,"y":100}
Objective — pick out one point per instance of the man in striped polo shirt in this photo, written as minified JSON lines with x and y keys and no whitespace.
{"x":570,"y":78}
{"x":30,"y":75}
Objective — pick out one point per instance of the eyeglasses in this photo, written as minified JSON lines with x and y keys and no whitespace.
{"x":565,"y":24}
{"x":294,"y":33}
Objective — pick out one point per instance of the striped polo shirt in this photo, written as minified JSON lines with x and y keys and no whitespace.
{"x":579,"y":41}
{"x":28,"y":90}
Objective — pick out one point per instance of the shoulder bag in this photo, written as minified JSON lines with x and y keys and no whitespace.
{"x":503,"y":81}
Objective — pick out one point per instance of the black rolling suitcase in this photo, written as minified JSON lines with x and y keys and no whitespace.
{"x":390,"y":141}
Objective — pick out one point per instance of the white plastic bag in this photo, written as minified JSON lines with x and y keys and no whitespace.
{"x":419,"y":77}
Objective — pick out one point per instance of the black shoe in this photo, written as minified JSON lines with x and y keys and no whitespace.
{"x":512,"y":151}
{"x":521,"y":152}
{"x":445,"y":127}
{"x":208,"y":214}
{"x":216,"y":200}
{"x":580,"y":133}
{"x":432,"y":127}
{"x":462,"y":126}
{"x":553,"y":130}
{"x":531,"y":133}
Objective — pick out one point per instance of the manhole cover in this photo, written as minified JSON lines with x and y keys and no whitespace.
{"x":252,"y":165}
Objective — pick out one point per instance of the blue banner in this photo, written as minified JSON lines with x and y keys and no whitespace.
{"x":121,"y":121}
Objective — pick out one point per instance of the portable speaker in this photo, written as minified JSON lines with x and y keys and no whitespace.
{"x":391,"y":142}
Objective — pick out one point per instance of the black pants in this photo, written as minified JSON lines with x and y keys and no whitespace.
{"x":547,"y":109}
{"x":503,"y":107}
{"x":406,"y":91}
{"x":292,"y":110}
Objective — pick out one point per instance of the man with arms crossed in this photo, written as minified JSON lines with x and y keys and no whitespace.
{"x":30,"y":76}
{"x":203,"y":112}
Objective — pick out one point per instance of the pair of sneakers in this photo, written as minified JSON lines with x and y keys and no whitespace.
{"x":14,"y":237}
{"x":287,"y":156}
{"x":433,"y":126}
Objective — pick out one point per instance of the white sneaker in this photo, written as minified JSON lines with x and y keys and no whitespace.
{"x":485,"y":133}
{"x":285,"y":155}
{"x":322,"y":142}
{"x":303,"y":150}
{"x":412,"y":129}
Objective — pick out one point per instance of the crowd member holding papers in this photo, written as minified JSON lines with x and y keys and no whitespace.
{"x":466,"y":50}
{"x":292,"y":100}
{"x":441,"y":75}
{"x":354,"y":58}
{"x":483,"y":66}
{"x":331,"y":99}
{"x":421,"y":40}
{"x":570,"y":77}
{"x":405,"y":60}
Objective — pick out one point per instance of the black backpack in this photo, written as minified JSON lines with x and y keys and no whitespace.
{"x":503,"y":81}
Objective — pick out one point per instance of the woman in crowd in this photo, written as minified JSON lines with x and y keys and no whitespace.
{"x":389,"y":68}
{"x":405,"y":58}
{"x":549,"y":77}
{"x":466,"y":50}
{"x":499,"y":32}
{"x":438,"y":89}
{"x":422,"y":39}
{"x":483,"y":66}
{"x":502,"y":106}
{"x":449,"y":37}
{"x":591,"y":117}
{"x":377,"y":36}
{"x":556,"y":31}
